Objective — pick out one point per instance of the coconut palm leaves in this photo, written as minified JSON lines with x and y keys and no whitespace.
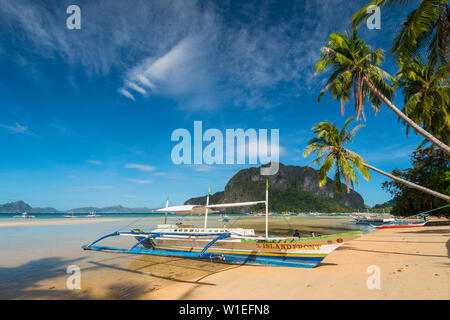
{"x":328,"y":146}
{"x":425,"y":28}
{"x":427,"y":96}
{"x":349,"y":60}
{"x":354,"y":70}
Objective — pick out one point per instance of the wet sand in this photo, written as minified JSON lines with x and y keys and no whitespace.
{"x":414,"y":265}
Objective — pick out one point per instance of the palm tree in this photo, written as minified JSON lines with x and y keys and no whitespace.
{"x":328,"y":145}
{"x":426,"y":27}
{"x":330,"y":151}
{"x":355,"y":70}
{"x":426,"y":96}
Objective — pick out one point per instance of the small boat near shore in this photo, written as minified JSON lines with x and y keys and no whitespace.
{"x":373,"y":221}
{"x":69,"y":215}
{"x":226,"y":245}
{"x":92,"y":214}
{"x":399,"y":224}
{"x":224,"y":218}
{"x":25,"y":215}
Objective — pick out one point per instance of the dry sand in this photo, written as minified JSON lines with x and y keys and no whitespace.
{"x":414,"y":264}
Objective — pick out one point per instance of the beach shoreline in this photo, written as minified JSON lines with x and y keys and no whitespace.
{"x":54,"y":222}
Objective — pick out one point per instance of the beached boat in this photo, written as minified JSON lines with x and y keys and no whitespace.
{"x":399,"y":224}
{"x":228,"y":245}
{"x":374,"y":221}
{"x":24,"y":215}
{"x":224,"y":218}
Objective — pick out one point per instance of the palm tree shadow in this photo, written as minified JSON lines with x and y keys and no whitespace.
{"x":148,"y":274}
{"x":22,"y":282}
{"x":324,"y":264}
{"x":448,"y":248}
{"x":442,"y":232}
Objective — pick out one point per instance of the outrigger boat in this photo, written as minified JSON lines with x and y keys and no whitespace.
{"x":374,"y":221}
{"x":399,"y":224}
{"x":227,"y":245}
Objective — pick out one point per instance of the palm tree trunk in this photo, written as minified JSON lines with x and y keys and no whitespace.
{"x":409,"y":184}
{"x":438,"y":143}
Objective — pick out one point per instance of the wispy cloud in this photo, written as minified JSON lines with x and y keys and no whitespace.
{"x":88,"y":188}
{"x":17,"y":128}
{"x":389,"y":153}
{"x":142,"y":167}
{"x":202,"y":56}
{"x":95,"y":162}
{"x":203,"y":168}
{"x":182,"y":72}
{"x":139,"y":181}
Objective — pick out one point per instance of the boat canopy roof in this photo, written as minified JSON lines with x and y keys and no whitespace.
{"x":185,"y":209}
{"x":200,"y":209}
{"x":237,"y":204}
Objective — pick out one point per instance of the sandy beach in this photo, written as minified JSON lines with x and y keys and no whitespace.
{"x":413,"y":263}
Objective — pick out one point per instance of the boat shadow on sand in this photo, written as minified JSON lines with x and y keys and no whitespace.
{"x":24,"y":281}
{"x":46,"y":278}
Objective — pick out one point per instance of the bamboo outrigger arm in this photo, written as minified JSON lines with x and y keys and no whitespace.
{"x":150,"y":235}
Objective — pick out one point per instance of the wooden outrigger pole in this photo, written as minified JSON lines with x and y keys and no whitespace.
{"x":206,"y":210}
{"x":267,"y":208}
{"x":167,"y":205}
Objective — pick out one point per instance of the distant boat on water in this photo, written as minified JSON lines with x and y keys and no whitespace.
{"x":92,"y":214}
{"x":69,"y":214}
{"x":24,"y":215}
{"x":400,"y":224}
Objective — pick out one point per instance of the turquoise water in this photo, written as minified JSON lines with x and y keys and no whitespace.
{"x":102,"y":215}
{"x":81,"y":215}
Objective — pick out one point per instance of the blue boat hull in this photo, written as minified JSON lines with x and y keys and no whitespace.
{"x":247,"y":259}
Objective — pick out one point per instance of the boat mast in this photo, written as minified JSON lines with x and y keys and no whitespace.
{"x":267,"y":208}
{"x":206,"y":210}
{"x":167,"y":205}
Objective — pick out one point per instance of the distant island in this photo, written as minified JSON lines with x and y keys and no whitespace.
{"x":292,"y":189}
{"x":21,"y":206}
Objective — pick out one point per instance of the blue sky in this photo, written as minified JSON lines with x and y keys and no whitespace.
{"x":86,"y":115}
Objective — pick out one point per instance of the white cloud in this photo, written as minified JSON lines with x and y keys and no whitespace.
{"x":182,"y":72}
{"x":95,"y":162}
{"x":142,"y":167}
{"x":139,"y":181}
{"x":203,"y":168}
{"x":17,"y":128}
{"x":126,"y":93}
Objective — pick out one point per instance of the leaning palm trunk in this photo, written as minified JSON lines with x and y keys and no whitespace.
{"x":438,"y":143}
{"x":410,"y":184}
